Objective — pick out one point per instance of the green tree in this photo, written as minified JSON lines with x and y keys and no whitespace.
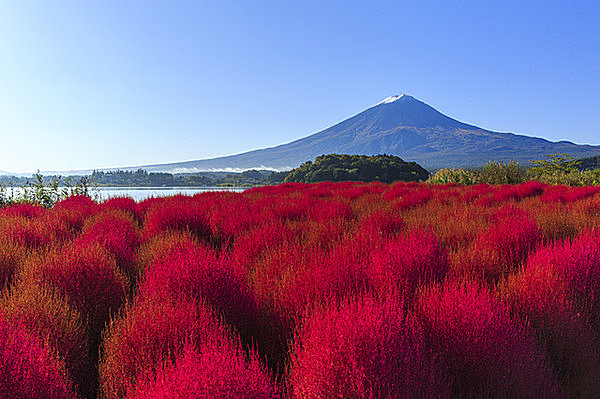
{"x":556,"y":164}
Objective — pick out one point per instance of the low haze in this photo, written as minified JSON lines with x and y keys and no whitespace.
{"x":109,"y":83}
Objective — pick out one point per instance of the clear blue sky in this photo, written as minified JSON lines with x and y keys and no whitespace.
{"x":99,"y":83}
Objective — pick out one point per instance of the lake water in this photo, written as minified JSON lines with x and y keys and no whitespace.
{"x":141,"y":193}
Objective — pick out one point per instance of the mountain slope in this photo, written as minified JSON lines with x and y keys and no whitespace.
{"x":589,"y":163}
{"x":402,"y":126}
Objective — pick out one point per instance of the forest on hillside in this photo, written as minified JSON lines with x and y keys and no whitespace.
{"x":341,"y":167}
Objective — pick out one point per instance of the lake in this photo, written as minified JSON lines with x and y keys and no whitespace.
{"x":141,"y":193}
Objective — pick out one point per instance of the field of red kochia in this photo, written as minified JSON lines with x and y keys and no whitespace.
{"x":344,"y":290}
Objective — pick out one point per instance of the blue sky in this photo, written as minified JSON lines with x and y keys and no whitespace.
{"x":92,"y":84}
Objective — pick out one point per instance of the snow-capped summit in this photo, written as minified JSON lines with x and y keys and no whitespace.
{"x":399,"y":125}
{"x":392,"y":99}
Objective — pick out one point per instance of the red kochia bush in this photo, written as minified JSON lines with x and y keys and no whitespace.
{"x":11,"y":257}
{"x":23,"y":231}
{"x":213,"y":372}
{"x":529,"y":189}
{"x":366,"y":348}
{"x":379,"y":224}
{"x":397,"y":190}
{"x":505,"y":193}
{"x":290,"y":207}
{"x":324,"y":234}
{"x":329,"y":209}
{"x":178,"y":212}
{"x":568,"y":194}
{"x":539,"y":296}
{"x":248,"y":246}
{"x":86,"y":275}
{"x":32,"y":232}
{"x":148,"y":334}
{"x":487,"y":353}
{"x":577,"y":263}
{"x":507,"y":241}
{"x":160,"y":247}
{"x":74,"y":210}
{"x":27,"y":368}
{"x":417,"y":197}
{"x":116,"y":232}
{"x":407,"y":261}
{"x":197,"y":272}
{"x":293,"y":276}
{"x":126,"y":204}
{"x":149,"y":203}
{"x":290,"y":278}
{"x":229,"y":214}
{"x":407,"y":195}
{"x":51,"y":318}
{"x":512,"y":234}
{"x":26,"y":210}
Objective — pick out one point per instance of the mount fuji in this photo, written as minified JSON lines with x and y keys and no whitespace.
{"x":399,"y":125}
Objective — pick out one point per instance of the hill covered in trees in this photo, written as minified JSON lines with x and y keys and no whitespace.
{"x":336,"y":167}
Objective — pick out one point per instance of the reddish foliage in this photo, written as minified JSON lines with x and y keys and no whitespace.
{"x":407,"y":195}
{"x":396,"y":190}
{"x":149,"y":203}
{"x":322,"y":234}
{"x":413,"y":199}
{"x":529,"y":189}
{"x":195,"y":271}
{"x":258,"y":263}
{"x":22,"y":231}
{"x":176,"y":213}
{"x":487,"y":353}
{"x":364,"y":349}
{"x":540,"y":297}
{"x":502,"y":247}
{"x":290,"y":208}
{"x":148,"y":334}
{"x":74,"y":210}
{"x":25,"y":210}
{"x":124,"y":204}
{"x":470,"y":193}
{"x":292,"y":276}
{"x":252,"y":243}
{"x":229,"y":214}
{"x":86,"y":275}
{"x":323,"y":210}
{"x":116,"y":232}
{"x":576,"y":263}
{"x":27,"y":368}
{"x":12,"y":256}
{"x":160,"y":247}
{"x":212,"y":372}
{"x":567,"y":194}
{"x":405,"y":263}
{"x":380,"y":224}
{"x":507,"y":194}
{"x":51,"y":318}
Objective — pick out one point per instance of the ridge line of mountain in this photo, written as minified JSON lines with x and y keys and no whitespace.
{"x":399,"y":125}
